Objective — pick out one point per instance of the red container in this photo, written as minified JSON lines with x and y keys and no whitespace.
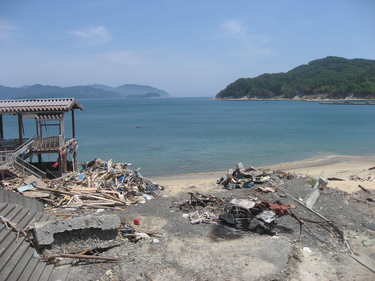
{"x":137,"y":221}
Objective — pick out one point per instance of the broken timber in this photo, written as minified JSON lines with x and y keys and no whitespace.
{"x":75,"y":256}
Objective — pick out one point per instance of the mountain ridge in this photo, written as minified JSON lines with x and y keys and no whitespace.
{"x":95,"y":91}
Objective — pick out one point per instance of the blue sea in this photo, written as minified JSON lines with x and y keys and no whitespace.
{"x":171,"y":136}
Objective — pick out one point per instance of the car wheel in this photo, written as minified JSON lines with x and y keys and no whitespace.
{"x":259,"y":230}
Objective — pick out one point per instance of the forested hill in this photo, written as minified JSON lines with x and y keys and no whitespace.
{"x":331,"y":77}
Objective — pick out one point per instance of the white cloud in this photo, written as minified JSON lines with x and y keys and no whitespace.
{"x":93,"y":35}
{"x":234,"y":27}
{"x":124,"y":58}
{"x":6,"y":29}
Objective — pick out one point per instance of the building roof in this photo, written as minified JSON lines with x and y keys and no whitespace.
{"x":49,"y":116}
{"x":38,"y":105}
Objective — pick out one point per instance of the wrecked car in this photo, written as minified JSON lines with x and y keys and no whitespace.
{"x":248,"y":215}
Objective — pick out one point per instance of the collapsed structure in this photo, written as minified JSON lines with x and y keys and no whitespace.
{"x":22,"y":154}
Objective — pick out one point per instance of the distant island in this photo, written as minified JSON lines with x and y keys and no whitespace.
{"x":328,"y":78}
{"x":128,"y":91}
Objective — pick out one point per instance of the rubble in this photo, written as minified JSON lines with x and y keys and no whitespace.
{"x":244,"y":177}
{"x":100,"y":185}
{"x":266,"y":197}
{"x":254,"y":215}
{"x":249,"y":215}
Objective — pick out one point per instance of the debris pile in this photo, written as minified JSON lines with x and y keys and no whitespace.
{"x":100,"y":185}
{"x":259,"y":217}
{"x":247,"y":177}
{"x":202,"y":208}
{"x":253,"y":215}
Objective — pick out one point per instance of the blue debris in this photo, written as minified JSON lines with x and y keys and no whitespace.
{"x":248,"y":184}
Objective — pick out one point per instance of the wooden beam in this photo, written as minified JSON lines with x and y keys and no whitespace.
{"x":75,"y":166}
{"x":73,"y":125}
{"x":1,"y":127}
{"x":20,"y":127}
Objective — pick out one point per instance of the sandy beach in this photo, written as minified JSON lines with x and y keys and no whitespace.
{"x":353,"y":170}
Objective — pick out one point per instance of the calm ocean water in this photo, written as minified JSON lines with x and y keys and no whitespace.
{"x":189,"y":135}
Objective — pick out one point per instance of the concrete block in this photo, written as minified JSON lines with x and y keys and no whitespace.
{"x":312,"y":198}
{"x":240,"y":166}
{"x":44,"y":231}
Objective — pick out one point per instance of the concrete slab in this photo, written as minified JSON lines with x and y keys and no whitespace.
{"x":44,"y":231}
{"x":312,"y":198}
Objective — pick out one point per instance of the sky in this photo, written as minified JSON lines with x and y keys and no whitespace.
{"x":187,"y":48}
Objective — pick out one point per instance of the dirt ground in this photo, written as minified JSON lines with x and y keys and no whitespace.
{"x":213,"y":251}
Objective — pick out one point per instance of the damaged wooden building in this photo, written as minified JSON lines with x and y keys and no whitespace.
{"x":43,"y":149}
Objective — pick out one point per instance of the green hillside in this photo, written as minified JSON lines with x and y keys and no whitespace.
{"x":331,"y":77}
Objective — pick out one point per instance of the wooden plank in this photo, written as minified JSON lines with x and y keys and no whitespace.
{"x":38,"y":181}
{"x":36,"y":194}
{"x":91,"y":189}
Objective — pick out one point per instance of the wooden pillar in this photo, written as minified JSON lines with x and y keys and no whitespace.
{"x":65,"y":162}
{"x":38,"y":128}
{"x":62,"y":126}
{"x":75,"y":166}
{"x":20,"y":127}
{"x":73,"y":125}
{"x":1,"y":127}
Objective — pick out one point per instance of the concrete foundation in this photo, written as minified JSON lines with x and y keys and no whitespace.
{"x":44,"y":231}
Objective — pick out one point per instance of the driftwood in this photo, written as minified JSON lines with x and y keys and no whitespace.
{"x":75,"y":256}
{"x":364,"y":189}
{"x":149,"y":232}
{"x":12,"y":226}
{"x":335,"y":179}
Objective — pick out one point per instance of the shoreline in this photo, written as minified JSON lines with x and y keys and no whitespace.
{"x":333,"y":166}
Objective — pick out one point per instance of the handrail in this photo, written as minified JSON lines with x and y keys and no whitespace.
{"x":8,"y":158}
{"x":24,"y":147}
{"x":25,"y":166}
{"x":3,"y":155}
